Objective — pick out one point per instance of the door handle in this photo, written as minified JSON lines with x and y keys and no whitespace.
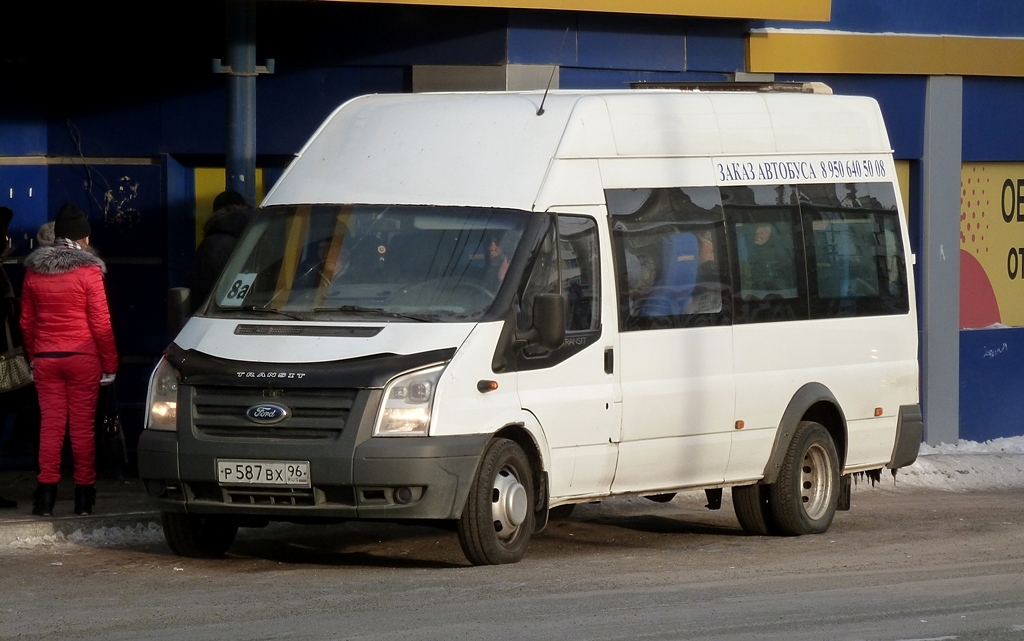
{"x":609,"y":360}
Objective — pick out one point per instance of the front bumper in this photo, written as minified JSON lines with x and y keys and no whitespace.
{"x":352,"y":475}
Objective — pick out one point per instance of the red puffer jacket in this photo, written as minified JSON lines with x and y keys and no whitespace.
{"x":64,"y":305}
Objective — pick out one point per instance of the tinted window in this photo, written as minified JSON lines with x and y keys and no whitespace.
{"x":855,"y":263}
{"x":767,"y":256}
{"x":567,"y":262}
{"x":670,"y":257}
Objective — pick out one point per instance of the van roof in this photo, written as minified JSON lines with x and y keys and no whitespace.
{"x":492,"y":149}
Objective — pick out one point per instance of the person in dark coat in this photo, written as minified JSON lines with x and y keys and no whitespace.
{"x":8,"y":316}
{"x":230,"y":216}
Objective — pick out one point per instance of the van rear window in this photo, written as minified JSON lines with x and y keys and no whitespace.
{"x":746,"y":254}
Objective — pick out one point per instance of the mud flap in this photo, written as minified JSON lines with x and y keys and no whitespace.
{"x":540,"y":517}
{"x":845,"y":485}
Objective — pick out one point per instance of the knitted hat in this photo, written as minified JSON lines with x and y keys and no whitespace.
{"x":71,"y":223}
{"x":45,"y":234}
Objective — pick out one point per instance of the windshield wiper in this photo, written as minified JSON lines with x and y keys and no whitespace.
{"x":262,"y":310}
{"x":375,"y":311}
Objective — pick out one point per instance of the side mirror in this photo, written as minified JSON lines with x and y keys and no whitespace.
{"x":548,"y":329}
{"x":179,"y":309}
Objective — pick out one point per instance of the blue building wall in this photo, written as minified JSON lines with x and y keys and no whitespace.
{"x":145,"y":93}
{"x":992,"y":18}
{"x":991,"y":377}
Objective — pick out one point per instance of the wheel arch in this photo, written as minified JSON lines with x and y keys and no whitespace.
{"x":812,"y":402}
{"x":519,"y":433}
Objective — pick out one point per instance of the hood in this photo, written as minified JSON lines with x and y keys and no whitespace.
{"x":231,"y":223}
{"x":60,"y":260}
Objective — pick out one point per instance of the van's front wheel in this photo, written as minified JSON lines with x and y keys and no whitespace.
{"x":805,"y":495}
{"x":203,"y":537}
{"x":498,"y":518}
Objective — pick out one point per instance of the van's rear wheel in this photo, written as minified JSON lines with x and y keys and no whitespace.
{"x":498,"y":518}
{"x":202,"y":537}
{"x":804,"y":497}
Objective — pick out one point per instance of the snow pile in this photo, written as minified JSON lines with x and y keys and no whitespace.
{"x":106,"y":537}
{"x":967,"y":466}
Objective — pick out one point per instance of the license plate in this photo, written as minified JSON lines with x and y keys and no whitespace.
{"x":287,"y":473}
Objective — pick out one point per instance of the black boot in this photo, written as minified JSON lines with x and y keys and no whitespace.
{"x":46,"y":496}
{"x":7,"y":503}
{"x":85,"y":498}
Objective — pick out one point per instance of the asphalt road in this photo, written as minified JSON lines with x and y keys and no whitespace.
{"x":905,"y":563}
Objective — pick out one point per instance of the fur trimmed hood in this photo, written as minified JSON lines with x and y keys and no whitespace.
{"x":60,"y":260}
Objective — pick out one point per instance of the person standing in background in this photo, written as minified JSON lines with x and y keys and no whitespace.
{"x":44,"y":235}
{"x":8,"y":317}
{"x":230,"y":216}
{"x":69,"y":339}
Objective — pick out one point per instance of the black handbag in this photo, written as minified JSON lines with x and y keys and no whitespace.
{"x":111,"y":449}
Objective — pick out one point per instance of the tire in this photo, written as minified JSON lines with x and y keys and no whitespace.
{"x":752,"y":504}
{"x":498,"y":518}
{"x":199,"y":537}
{"x":805,"y":496}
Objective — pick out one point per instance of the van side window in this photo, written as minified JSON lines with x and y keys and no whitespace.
{"x":856,"y":266}
{"x":579,"y":256}
{"x":568,"y":262}
{"x":670,"y":255}
{"x":768,"y":252}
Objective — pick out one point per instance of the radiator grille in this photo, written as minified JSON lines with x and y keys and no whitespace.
{"x":313,"y":413}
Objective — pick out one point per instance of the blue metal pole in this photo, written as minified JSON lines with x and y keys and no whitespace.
{"x":240,"y":159}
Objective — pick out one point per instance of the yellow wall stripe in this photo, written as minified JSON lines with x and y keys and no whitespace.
{"x":811,"y":10}
{"x":793,"y":51}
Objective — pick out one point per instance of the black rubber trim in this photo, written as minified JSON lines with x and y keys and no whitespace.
{"x":909,"y":432}
{"x":197,"y":368}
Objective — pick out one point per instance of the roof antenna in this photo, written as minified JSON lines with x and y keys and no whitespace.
{"x":540,"y":109}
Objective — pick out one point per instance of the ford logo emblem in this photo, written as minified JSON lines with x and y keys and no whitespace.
{"x":266,"y":414}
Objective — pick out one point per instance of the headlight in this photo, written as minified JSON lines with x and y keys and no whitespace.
{"x":407,"y":401}
{"x":163,"y":398}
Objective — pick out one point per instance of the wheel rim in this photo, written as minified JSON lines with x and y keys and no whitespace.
{"x":816,"y":482}
{"x":509,"y":503}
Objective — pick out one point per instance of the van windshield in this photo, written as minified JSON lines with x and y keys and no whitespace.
{"x":375,"y":262}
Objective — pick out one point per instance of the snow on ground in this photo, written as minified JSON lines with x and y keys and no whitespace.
{"x":105,"y":537}
{"x":968,"y":465}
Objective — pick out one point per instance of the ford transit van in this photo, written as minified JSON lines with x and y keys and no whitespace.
{"x":478,"y":308}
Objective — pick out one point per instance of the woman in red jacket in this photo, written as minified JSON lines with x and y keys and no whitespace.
{"x":66,"y":324}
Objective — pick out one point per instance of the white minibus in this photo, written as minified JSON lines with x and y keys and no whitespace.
{"x":479,"y":308}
